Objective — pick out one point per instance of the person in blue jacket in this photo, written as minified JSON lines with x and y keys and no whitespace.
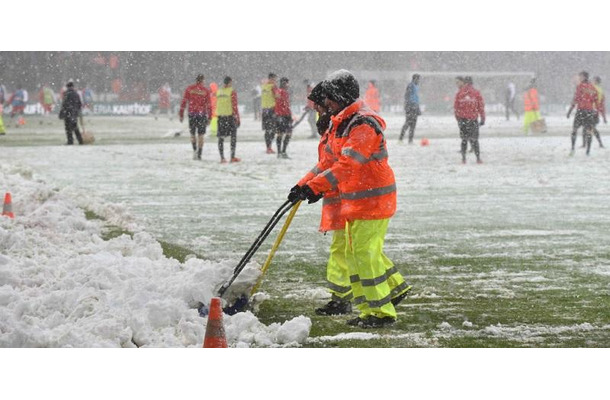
{"x":412,"y":110}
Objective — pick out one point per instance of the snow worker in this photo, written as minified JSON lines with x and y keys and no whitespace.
{"x":531,"y":104}
{"x":356,"y":168}
{"x":70,"y":111}
{"x":268,"y":90}
{"x":337,"y":275}
{"x":468,"y":106}
{"x":283,"y":115}
{"x":2,"y":130}
{"x":371,"y":97}
{"x":200,"y":112}
{"x":586,"y":103}
{"x":228,"y":118}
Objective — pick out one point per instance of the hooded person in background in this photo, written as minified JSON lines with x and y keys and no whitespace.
{"x":357,"y":167}
{"x":70,"y":111}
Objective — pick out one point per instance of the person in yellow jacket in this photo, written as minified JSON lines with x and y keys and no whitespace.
{"x":2,"y":131}
{"x":228,"y":118}
{"x":531,"y":104}
{"x":358,"y":169}
{"x":601,"y":110}
{"x":268,"y":114}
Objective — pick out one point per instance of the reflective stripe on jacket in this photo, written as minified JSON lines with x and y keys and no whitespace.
{"x":358,"y":165}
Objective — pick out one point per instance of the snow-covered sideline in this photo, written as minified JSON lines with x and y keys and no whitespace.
{"x":63,"y":285}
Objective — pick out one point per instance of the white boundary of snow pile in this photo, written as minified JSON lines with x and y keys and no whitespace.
{"x":62,"y":285}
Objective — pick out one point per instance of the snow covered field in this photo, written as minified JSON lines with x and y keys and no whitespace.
{"x":513,"y":252}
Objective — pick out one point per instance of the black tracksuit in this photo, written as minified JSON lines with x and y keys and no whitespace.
{"x":70,"y":110}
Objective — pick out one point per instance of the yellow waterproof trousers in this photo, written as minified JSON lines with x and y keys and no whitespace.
{"x":337,"y":274}
{"x":2,"y":131}
{"x":374,"y":279}
{"x":528,"y":118}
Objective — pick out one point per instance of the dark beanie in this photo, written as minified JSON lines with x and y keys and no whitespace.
{"x":342,"y":87}
{"x":317,"y":94}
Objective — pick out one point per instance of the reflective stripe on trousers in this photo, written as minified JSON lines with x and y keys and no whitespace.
{"x":337,"y":274}
{"x":366,"y":263}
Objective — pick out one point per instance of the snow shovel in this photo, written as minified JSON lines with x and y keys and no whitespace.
{"x":87,"y":136}
{"x":241,"y":303}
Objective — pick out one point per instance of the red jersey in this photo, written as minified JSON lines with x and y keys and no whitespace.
{"x":469,"y":103}
{"x":198,"y":97}
{"x":282,"y":102}
{"x":164,"y":97}
{"x":585,"y":97}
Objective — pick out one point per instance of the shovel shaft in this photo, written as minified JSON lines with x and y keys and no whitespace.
{"x":276,"y":245}
{"x":261,"y":237}
{"x":255,"y":246}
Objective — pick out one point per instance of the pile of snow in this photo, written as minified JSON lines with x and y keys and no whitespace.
{"x":62,"y":285}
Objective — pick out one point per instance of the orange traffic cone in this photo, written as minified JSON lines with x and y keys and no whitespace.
{"x":7,"y":208}
{"x":21,"y":121}
{"x":215,"y":331}
{"x":425,"y":142}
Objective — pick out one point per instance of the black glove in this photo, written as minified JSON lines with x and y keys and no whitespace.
{"x":309,"y":195}
{"x":482,"y":122}
{"x":295,"y":194}
{"x":568,"y":116}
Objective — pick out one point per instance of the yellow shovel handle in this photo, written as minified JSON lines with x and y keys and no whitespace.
{"x":278,"y":240}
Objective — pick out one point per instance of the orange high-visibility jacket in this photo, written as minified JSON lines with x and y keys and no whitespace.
{"x":371,"y":98}
{"x":530,"y":100}
{"x":361,"y":172}
{"x":331,"y":204}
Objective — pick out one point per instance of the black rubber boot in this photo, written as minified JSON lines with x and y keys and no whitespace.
{"x":371,"y":322}
{"x":335,"y":307}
